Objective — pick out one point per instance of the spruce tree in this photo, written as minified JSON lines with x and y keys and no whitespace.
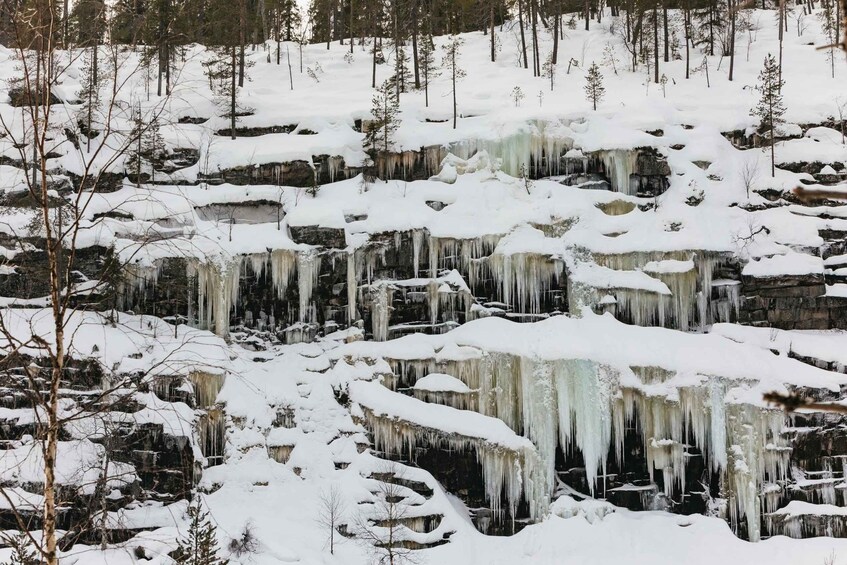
{"x":427,"y":64}
{"x":451,"y":61}
{"x":770,"y":108}
{"x":594,"y":89}
{"x":153,"y":147}
{"x":22,"y":552}
{"x":200,"y":545}
{"x":384,"y":109}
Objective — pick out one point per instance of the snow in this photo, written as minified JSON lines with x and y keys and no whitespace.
{"x":440,"y":382}
{"x":588,"y":374}
{"x":795,"y":264}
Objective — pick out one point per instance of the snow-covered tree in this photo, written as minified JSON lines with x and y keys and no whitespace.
{"x":384,"y":107}
{"x":517,"y":95}
{"x":549,"y":69}
{"x":451,"y":61}
{"x":594,"y":89}
{"x":770,"y":108}
{"x":200,"y":544}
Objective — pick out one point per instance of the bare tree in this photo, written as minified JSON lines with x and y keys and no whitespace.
{"x":749,"y":174}
{"x":330,"y":513}
{"x":383,"y":529}
{"x":34,"y":354}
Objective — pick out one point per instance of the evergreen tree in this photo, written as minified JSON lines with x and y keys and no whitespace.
{"x":427,"y":64}
{"x":134,"y":160}
{"x":451,"y":61}
{"x":89,"y":95}
{"x":594,"y":89}
{"x":770,"y":108}
{"x":153,"y":147}
{"x":384,"y":108}
{"x":829,"y":26}
{"x":200,"y":545}
{"x":22,"y":553}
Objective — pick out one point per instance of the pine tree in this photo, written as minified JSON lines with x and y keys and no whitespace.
{"x":200,"y":545}
{"x":829,"y":25}
{"x":134,"y":159}
{"x":594,"y":89}
{"x":153,"y":147}
{"x":384,"y":109}
{"x":770,"y":108}
{"x":22,"y":553}
{"x":451,"y":61}
{"x":427,"y":64}
{"x":89,"y":95}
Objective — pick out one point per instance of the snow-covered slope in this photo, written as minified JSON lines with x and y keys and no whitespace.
{"x":666,"y":279}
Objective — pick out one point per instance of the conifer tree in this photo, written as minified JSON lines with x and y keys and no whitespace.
{"x":594,"y":89}
{"x":153,"y":147}
{"x":200,"y":545}
{"x":770,"y":108}
{"x":427,"y":64}
{"x":384,"y":109}
{"x":22,"y":552}
{"x":451,"y":61}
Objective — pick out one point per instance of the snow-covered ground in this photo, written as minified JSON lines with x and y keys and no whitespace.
{"x":292,"y":437}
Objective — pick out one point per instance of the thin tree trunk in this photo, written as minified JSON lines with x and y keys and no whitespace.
{"x":454,"y":90}
{"x":731,"y":39}
{"x":557,"y":21}
{"x":536,"y":64}
{"x":686,"y":18}
{"x":416,"y":64}
{"x":523,"y":35}
{"x":491,"y":23}
{"x":781,"y":35}
{"x":665,"y":26}
{"x":655,"y":44}
{"x":233,"y":71}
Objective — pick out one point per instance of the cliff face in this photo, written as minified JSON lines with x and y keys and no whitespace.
{"x":542,"y":315}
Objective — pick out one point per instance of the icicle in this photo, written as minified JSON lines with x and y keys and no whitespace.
{"x":283,"y":265}
{"x":308,"y":269}
{"x":206,"y":387}
{"x":619,"y":164}
{"x":382,"y":295}
{"x":417,"y":243}
{"x":352,"y":285}
{"x":217,"y":292}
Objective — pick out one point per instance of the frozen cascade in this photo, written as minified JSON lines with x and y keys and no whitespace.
{"x":583,"y":391}
{"x":308,"y":269}
{"x":353,"y":275}
{"x":461,"y":254}
{"x":137,"y":277}
{"x":217,"y":292}
{"x":508,"y":473}
{"x":619,"y":164}
{"x":417,"y":244}
{"x":381,"y":296}
{"x":584,"y":405}
{"x":728,"y":303}
{"x":283,"y":265}
{"x":688,"y":274}
{"x":206,"y":387}
{"x":523,"y":278}
{"x":211,"y":433}
{"x":539,"y":145}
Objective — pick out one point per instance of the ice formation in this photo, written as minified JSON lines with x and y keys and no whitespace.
{"x":581,"y":405}
{"x":538,"y":147}
{"x":509,"y":462}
